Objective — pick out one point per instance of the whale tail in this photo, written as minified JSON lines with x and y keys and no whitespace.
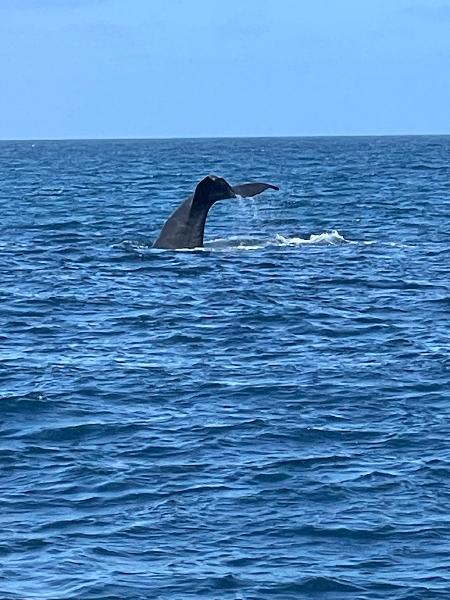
{"x":210,"y":190}
{"x":247,"y":190}
{"x":213,"y":188}
{"x":185,"y":227}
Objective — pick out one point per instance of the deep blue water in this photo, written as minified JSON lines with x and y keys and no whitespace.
{"x":266,"y":418}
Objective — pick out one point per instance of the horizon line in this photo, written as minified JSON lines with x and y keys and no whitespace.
{"x":222,"y":137}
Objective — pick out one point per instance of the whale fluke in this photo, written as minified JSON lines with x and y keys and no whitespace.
{"x":247,"y":190}
{"x":186,"y":226}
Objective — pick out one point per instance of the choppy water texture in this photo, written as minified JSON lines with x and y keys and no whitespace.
{"x":264,"y":418}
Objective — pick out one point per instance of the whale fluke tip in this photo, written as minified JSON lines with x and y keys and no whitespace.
{"x":247,"y":190}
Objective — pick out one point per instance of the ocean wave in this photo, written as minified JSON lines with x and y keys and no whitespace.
{"x":264,"y":418}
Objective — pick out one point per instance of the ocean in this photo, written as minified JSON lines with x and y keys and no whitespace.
{"x":264,"y":418}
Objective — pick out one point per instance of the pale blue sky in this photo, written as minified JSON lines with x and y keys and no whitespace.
{"x":177,"y":68}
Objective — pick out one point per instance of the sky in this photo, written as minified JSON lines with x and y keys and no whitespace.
{"x":212,"y":68}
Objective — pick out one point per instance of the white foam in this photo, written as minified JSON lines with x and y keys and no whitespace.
{"x":327,"y":237}
{"x":237,"y":243}
{"x":240,"y":243}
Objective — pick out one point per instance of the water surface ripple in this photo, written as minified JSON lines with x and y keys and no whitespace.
{"x":266,"y":418}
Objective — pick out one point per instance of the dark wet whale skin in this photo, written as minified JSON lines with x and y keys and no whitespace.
{"x":185,"y":228}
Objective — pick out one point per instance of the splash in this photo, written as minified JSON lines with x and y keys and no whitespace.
{"x":332,"y":237}
{"x":238,"y":243}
